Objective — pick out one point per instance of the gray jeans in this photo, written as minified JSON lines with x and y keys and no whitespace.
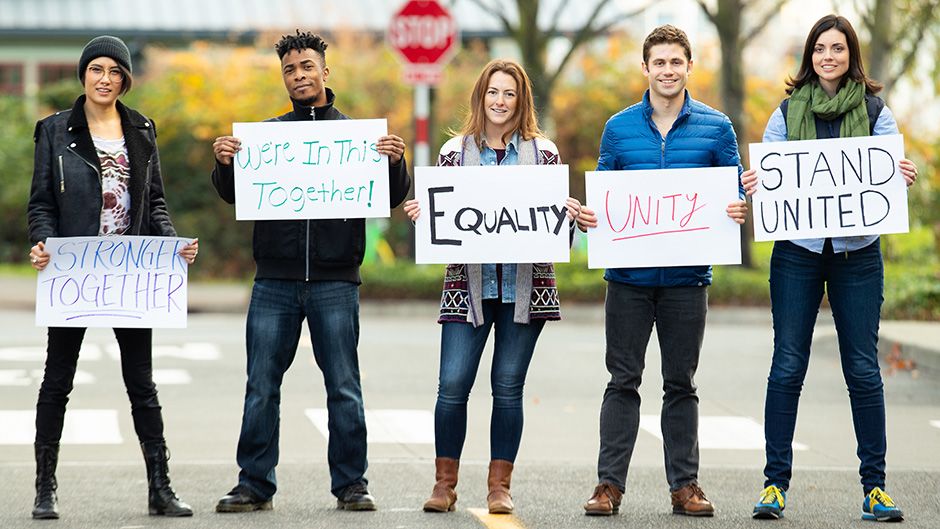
{"x":679,"y":314}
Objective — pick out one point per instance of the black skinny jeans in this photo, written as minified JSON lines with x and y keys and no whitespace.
{"x":136,"y":366}
{"x":679,"y":316}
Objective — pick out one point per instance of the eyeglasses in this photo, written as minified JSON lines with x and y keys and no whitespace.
{"x":97,"y":72}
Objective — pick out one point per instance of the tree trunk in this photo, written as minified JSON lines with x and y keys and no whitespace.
{"x":878,"y":65}
{"x":728,"y":25}
{"x":532,"y":45}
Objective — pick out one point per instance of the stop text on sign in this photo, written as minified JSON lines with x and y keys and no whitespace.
{"x":421,"y":31}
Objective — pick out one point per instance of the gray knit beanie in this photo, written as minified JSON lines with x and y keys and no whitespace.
{"x":105,"y":46}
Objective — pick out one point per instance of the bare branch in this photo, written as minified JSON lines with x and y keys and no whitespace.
{"x":587,"y":33}
{"x":768,"y":16}
{"x":556,"y":17}
{"x":498,"y":14}
{"x":712,"y":17}
{"x":922,"y":19}
{"x":917,"y":18}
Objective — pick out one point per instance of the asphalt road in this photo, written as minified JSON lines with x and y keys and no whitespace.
{"x":200,"y":373}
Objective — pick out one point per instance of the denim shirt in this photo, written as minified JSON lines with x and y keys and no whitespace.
{"x":777,"y":131}
{"x":490,"y":288}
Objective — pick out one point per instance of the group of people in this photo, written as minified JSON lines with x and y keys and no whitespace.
{"x":97,"y":172}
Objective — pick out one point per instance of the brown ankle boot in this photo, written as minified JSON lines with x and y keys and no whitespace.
{"x":499,"y":499}
{"x":443,"y":497}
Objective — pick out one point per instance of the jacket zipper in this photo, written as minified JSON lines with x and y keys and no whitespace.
{"x":313,"y":117}
{"x":61,"y":176}
{"x":93,"y":167}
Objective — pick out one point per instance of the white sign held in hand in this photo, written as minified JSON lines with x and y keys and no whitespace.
{"x":664,"y":217}
{"x":829,"y":188}
{"x":290,"y":170}
{"x":492,"y":214}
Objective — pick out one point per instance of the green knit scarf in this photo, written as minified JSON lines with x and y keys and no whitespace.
{"x":811,"y":100}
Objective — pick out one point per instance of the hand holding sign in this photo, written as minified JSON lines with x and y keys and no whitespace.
{"x":391,"y":146}
{"x":225,"y":148}
{"x":38,"y":256}
{"x":908,"y":171}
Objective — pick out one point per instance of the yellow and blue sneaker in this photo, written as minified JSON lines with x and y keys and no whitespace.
{"x":879,"y":507}
{"x":770,"y":506}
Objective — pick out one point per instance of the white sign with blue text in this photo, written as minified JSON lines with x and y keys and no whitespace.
{"x":288,"y":170}
{"x":115,"y":281}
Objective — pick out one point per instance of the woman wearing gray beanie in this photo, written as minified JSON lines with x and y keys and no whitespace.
{"x":97,"y":172}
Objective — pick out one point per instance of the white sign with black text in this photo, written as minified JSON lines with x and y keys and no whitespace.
{"x":492,"y":214}
{"x":829,"y":188}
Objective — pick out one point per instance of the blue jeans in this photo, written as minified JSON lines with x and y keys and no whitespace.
{"x":854,"y":282}
{"x":461,"y":350}
{"x":275,"y":317}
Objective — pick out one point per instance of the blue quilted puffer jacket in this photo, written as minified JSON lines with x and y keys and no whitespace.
{"x":700,"y":137}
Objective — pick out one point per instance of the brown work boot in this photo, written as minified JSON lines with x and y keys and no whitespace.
{"x":605,"y":501}
{"x":443,"y":497}
{"x":691,"y":501}
{"x":499,"y":499}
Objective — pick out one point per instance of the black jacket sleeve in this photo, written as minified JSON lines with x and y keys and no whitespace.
{"x":43,"y":209}
{"x":399,"y":182}
{"x":160,"y":223}
{"x":223,"y":178}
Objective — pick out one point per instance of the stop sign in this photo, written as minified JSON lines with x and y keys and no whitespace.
{"x":424,"y":33}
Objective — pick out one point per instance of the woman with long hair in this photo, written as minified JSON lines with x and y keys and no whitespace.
{"x":514,"y":300}
{"x":97,"y":173}
{"x":831,"y":97}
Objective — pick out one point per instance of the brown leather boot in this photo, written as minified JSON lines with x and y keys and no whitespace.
{"x":499,"y":499}
{"x":605,"y":501}
{"x":691,"y":501}
{"x":443,"y":497}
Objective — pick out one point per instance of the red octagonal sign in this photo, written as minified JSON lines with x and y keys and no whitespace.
{"x":424,"y":33}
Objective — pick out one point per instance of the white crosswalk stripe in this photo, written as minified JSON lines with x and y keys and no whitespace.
{"x":89,"y":352}
{"x":720,"y":432}
{"x":33,"y":377}
{"x":176,"y":377}
{"x":387,"y":426}
{"x":82,"y":427}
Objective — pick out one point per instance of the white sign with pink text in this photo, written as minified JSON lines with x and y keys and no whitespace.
{"x":664,"y":217}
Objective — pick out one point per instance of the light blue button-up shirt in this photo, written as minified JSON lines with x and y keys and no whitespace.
{"x":777,"y":131}
{"x":490,"y":287}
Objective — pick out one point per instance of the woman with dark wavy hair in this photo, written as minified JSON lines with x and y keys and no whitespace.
{"x":830,"y":97}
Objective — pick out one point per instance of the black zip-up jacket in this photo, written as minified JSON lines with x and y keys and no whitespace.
{"x":65,"y":198}
{"x":311,"y":250}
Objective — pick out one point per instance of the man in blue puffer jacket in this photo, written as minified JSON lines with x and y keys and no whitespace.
{"x":667,"y":130}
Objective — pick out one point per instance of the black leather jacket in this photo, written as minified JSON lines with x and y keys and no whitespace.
{"x":311,"y":250}
{"x":65,"y":198}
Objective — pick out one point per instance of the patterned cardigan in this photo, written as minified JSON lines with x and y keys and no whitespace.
{"x":536,"y":294}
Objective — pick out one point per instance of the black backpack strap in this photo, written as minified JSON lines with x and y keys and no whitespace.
{"x":874,"y":105}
